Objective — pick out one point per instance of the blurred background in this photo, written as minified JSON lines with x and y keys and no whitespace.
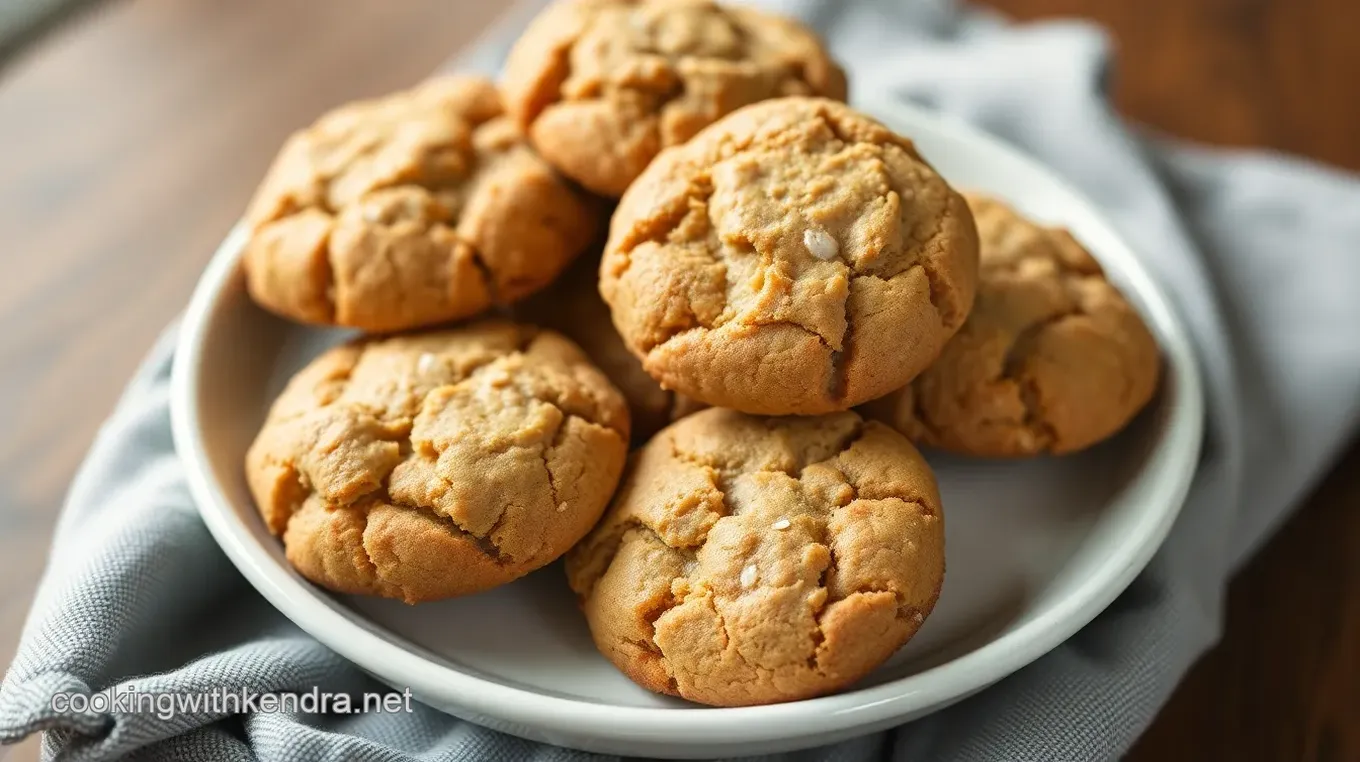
{"x":132,"y":133}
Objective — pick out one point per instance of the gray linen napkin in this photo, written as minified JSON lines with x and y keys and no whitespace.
{"x":1259,"y":252}
{"x":24,"y":21}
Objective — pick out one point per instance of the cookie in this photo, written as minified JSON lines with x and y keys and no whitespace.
{"x":1052,"y":359}
{"x":750,"y":560}
{"x":436,"y":464}
{"x":796,"y":257}
{"x":572,"y":306}
{"x":409,"y":210}
{"x":601,"y":86}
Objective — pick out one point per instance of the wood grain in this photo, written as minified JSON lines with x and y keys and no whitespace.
{"x":1280,"y":74}
{"x":130,"y":141}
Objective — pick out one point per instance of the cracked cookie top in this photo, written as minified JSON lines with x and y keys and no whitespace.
{"x":1052,"y":358}
{"x":408,"y":210}
{"x":436,"y":464}
{"x":750,"y":560}
{"x":572,"y":305}
{"x":602,"y":85}
{"x":796,"y":257}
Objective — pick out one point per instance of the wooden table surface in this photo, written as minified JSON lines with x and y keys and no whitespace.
{"x":131,"y":139}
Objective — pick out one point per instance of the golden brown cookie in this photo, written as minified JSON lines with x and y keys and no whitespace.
{"x":750,"y":560}
{"x":602,"y":85}
{"x":437,"y":464}
{"x":572,"y":306}
{"x":409,"y":210}
{"x":796,"y":257}
{"x":1052,"y":358}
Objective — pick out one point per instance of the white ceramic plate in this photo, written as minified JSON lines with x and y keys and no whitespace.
{"x":1035,"y":549}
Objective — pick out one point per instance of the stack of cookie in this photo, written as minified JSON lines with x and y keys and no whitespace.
{"x":788,"y":295}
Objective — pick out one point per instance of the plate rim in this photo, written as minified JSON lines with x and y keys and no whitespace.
{"x":808,"y":719}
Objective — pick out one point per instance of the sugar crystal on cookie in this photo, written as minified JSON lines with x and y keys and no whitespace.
{"x":820,"y":244}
